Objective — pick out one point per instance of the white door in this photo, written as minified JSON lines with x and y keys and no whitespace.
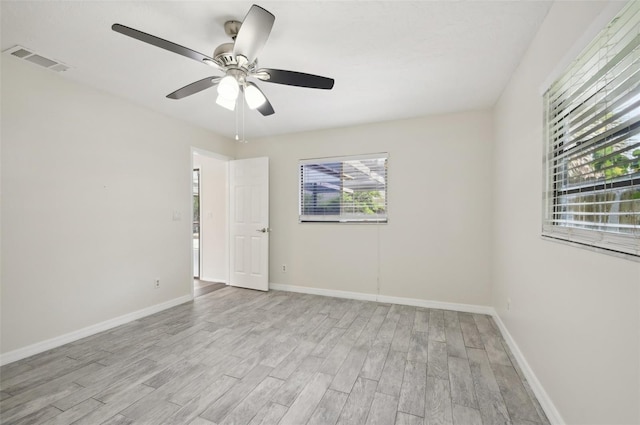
{"x":249,"y":213}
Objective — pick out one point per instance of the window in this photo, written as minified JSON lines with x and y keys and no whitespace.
{"x":344,"y":189}
{"x":592,"y":126}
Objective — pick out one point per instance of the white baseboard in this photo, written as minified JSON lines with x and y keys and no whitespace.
{"x":415,"y":302}
{"x":545,"y":401}
{"x":361,"y":296}
{"x":48,"y":344}
{"x":440,"y":305}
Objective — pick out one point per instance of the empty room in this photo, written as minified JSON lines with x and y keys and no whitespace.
{"x":320,"y":212}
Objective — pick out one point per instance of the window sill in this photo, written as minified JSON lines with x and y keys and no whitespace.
{"x":622,"y":255}
{"x":358,"y":222}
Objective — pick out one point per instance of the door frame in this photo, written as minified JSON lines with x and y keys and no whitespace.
{"x":226,"y":159}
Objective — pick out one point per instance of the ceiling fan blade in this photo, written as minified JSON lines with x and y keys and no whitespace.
{"x":253,"y":33}
{"x":164,"y":44}
{"x":194,"y":88}
{"x":266,"y":108}
{"x":293,"y":78}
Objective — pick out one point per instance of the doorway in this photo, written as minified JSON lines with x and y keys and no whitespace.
{"x":210,"y":221}
{"x":196,"y":223}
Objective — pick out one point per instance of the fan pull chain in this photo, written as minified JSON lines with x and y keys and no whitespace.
{"x":236,"y":111}
{"x":244,"y":102}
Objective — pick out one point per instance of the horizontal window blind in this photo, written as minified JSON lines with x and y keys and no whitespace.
{"x":344,"y":189}
{"x":592,"y":126}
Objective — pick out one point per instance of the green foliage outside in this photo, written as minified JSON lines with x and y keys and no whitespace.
{"x":635,"y":163}
{"x":196,"y":207}
{"x":369,"y":203}
{"x":608,"y":164}
{"x":612,"y":166}
{"x":617,"y":165}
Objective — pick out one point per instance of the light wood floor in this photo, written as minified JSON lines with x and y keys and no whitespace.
{"x":202,"y":287}
{"x":237,"y":356}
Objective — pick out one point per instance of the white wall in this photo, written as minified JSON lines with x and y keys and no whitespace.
{"x":213,"y":218}
{"x":575,"y":313}
{"x":436,"y":244}
{"x":90,"y":183}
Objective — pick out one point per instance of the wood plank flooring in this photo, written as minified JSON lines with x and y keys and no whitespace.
{"x":241,"y":357}
{"x":202,"y":287}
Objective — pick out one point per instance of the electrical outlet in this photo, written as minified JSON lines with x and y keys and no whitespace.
{"x":284,"y":268}
{"x":157,"y":283}
{"x":508,"y":304}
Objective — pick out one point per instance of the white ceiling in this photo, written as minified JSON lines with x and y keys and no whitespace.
{"x":390,"y":59}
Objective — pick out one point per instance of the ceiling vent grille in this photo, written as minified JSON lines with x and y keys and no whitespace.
{"x":28,"y":55}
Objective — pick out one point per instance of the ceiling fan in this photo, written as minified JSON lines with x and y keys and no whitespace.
{"x":238,"y":61}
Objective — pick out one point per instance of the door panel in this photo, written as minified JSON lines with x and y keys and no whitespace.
{"x":256,"y":246}
{"x":239,"y":257}
{"x":249,"y":190}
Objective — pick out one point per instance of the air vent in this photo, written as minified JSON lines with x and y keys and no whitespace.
{"x":26,"y":54}
{"x":21,"y":53}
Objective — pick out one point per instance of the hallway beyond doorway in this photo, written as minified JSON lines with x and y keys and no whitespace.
{"x":201,"y":287}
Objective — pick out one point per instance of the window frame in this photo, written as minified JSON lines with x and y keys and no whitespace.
{"x":342,"y":219}
{"x":617,"y":243}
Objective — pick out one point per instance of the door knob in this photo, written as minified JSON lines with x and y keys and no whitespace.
{"x":264,"y":230}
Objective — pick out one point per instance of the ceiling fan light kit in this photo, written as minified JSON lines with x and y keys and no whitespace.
{"x":226,"y":103}
{"x":238,"y":61}
{"x":253,"y":96}
{"x":228,"y":87}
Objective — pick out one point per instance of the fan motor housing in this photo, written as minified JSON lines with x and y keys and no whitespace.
{"x":224,"y":54}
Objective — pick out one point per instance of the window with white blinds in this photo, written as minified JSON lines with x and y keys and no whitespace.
{"x":592,"y":126}
{"x":344,"y":189}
